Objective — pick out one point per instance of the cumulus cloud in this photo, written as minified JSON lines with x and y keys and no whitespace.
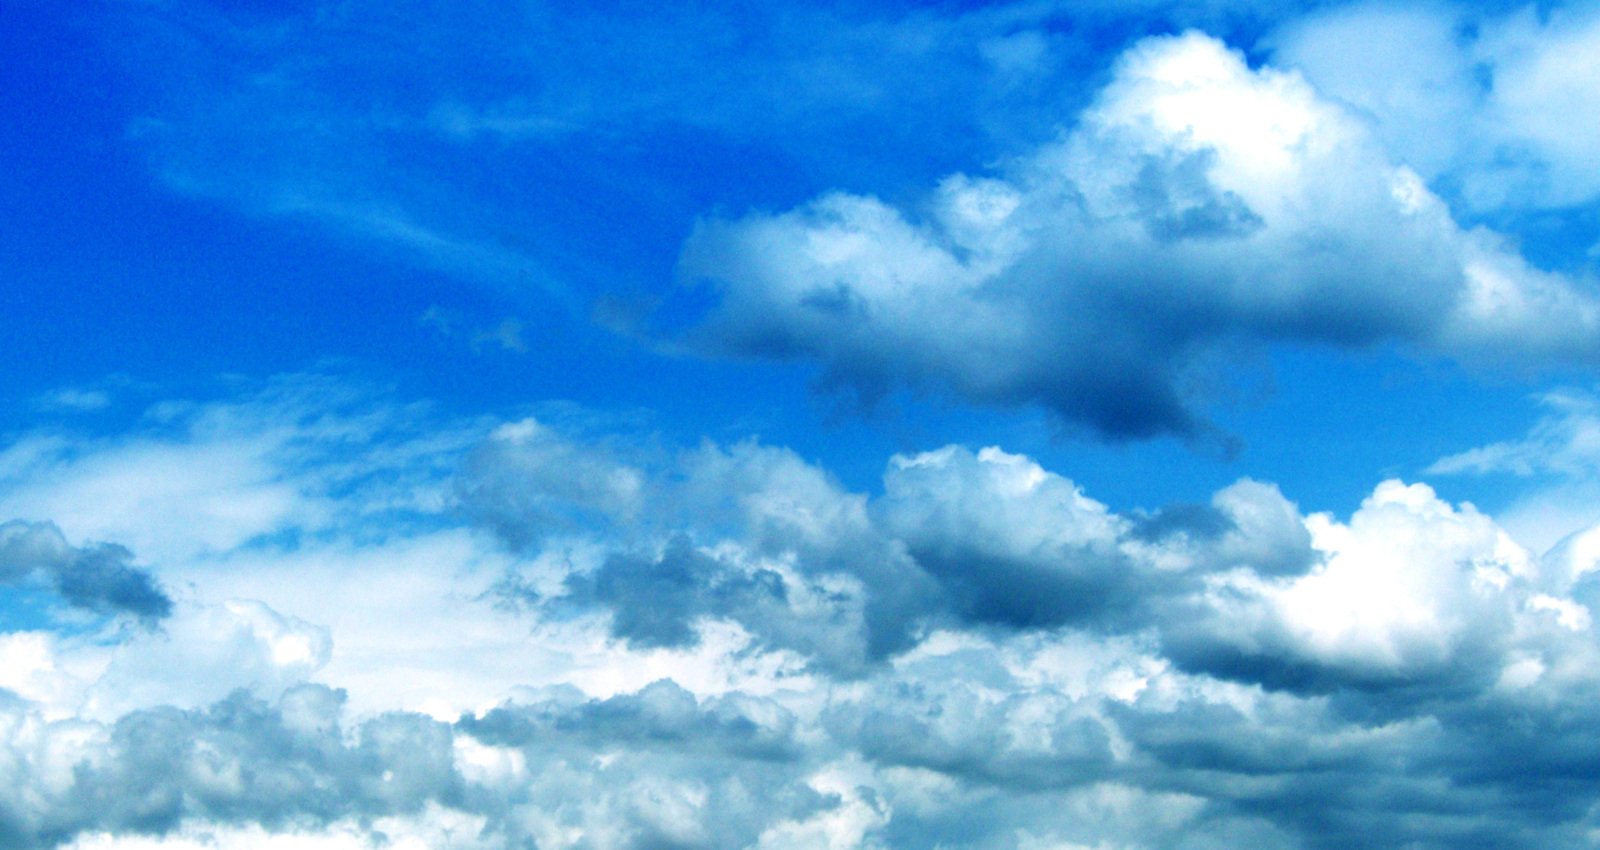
{"x":1198,"y":204}
{"x":653,"y":768}
{"x":1409,"y":594}
{"x":724,"y":646}
{"x":748,"y":534}
{"x":99,"y":577}
{"x":238,"y":761}
{"x":1010,"y":542}
{"x":1409,"y":591}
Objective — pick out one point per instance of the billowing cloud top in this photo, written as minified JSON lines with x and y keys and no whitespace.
{"x":1197,"y":204}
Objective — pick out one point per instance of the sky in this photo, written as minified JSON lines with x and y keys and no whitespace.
{"x":630,"y":426}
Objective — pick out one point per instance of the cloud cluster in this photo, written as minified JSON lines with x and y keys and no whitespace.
{"x":377,"y":626}
{"x":1409,"y":589}
{"x":638,"y":645}
{"x":1234,"y":659}
{"x":1199,"y":204}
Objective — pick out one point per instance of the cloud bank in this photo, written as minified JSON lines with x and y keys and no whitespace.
{"x":598,"y":640}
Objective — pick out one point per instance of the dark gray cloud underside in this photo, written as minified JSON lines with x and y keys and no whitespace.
{"x":98,"y":577}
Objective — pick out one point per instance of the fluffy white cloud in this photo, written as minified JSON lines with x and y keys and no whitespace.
{"x":1409,"y":591}
{"x":1197,"y":203}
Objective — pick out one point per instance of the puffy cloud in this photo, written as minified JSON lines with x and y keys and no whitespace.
{"x":238,"y":761}
{"x":749,"y":535}
{"x":1410,"y":593}
{"x":203,"y":653}
{"x":99,"y":577}
{"x":1197,"y":204}
{"x":1010,"y":542}
{"x":735,"y":650}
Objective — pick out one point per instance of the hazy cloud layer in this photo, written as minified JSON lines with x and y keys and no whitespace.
{"x":1197,"y":204}
{"x":1495,"y":104}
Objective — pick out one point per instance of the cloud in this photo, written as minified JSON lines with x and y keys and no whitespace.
{"x":1565,"y":442}
{"x":1010,"y":543}
{"x":1410,"y":596}
{"x":657,"y":767}
{"x":745,"y":534}
{"x":506,"y":336}
{"x":193,"y":478}
{"x":590,"y":638}
{"x":1198,"y":205}
{"x":98,"y":577}
{"x":1553,"y":465}
{"x":73,"y":400}
{"x":1410,"y":592}
{"x":1476,"y":98}
{"x":238,"y":761}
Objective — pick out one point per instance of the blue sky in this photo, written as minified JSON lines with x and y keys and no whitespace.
{"x":843,"y":425}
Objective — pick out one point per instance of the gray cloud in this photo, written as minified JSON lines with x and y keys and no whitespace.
{"x":748,"y":534}
{"x":1411,"y":596}
{"x":98,"y":577}
{"x":240,"y":760}
{"x":656,"y":600}
{"x":996,"y":660}
{"x":295,"y":764}
{"x":1009,"y":543}
{"x":662,"y":716}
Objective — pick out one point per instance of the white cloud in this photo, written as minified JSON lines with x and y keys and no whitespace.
{"x":1409,"y":589}
{"x":1197,"y":203}
{"x":1501,"y":104}
{"x":1565,"y":442}
{"x":390,"y":668}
